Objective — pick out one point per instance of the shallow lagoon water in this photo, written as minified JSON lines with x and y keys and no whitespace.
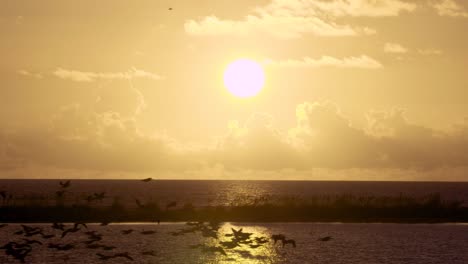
{"x":350,"y":243}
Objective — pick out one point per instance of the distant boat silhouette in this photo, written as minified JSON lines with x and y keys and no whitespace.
{"x":147,"y":180}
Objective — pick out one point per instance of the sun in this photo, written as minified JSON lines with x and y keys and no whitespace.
{"x":244,"y":78}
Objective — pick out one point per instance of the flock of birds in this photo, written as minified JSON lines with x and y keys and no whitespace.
{"x":30,"y":237}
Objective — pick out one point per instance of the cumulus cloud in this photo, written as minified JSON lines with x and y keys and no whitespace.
{"x":394,"y":48}
{"x":449,"y":8}
{"x":80,"y":139}
{"x":369,"y":8}
{"x":84,"y":76}
{"x":294,"y":18}
{"x":363,"y":62}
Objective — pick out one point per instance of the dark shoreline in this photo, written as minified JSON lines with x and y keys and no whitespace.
{"x":231,"y":214}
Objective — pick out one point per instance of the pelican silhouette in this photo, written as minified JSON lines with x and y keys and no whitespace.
{"x":171,"y":204}
{"x":47,"y":236}
{"x":288,"y":241}
{"x":214,"y":249}
{"x":149,"y":232}
{"x":126,"y":232}
{"x":104,"y":257}
{"x":58,"y":226}
{"x":70,"y":230}
{"x":76,"y":225}
{"x":60,"y":247}
{"x":65,"y":184}
{"x":108,"y":247}
{"x":278,"y":237}
{"x":32,"y":241}
{"x":17,"y":251}
{"x":60,"y":193}
{"x":149,"y":253}
{"x":139,"y":203}
{"x":324,"y":239}
{"x":123,"y":255}
{"x":229,"y":244}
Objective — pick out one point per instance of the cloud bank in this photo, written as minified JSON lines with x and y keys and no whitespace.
{"x":324,"y":138}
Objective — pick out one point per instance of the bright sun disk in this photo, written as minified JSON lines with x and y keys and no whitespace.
{"x":244,"y":78}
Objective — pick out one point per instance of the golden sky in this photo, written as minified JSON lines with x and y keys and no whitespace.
{"x":354,"y":89}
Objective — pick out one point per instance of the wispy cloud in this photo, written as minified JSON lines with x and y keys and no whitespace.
{"x":30,"y":74}
{"x":84,"y":76}
{"x":450,"y":8}
{"x":362,"y":62}
{"x":430,"y":52}
{"x":394,"y":48}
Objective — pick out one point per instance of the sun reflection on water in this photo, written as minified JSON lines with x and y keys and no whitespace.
{"x":251,"y":244}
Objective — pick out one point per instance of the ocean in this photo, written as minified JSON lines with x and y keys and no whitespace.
{"x":349,"y":243}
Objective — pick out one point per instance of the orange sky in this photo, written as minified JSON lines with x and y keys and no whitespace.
{"x":354,"y":89}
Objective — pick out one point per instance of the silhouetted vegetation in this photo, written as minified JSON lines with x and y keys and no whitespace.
{"x":343,"y":208}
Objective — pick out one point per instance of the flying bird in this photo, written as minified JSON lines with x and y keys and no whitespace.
{"x":65,"y":184}
{"x":126,"y":232}
{"x":324,"y":239}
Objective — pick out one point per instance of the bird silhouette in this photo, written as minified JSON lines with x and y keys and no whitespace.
{"x":325,"y":239}
{"x":214,"y":249}
{"x":61,"y":247}
{"x":70,"y":230}
{"x":171,"y":204}
{"x":149,"y":232}
{"x":58,"y":226}
{"x":149,"y":253}
{"x":278,"y":237}
{"x":32,"y":241}
{"x":289,"y":241}
{"x":104,"y":257}
{"x":126,"y":232}
{"x":76,"y":225}
{"x":123,"y":255}
{"x":65,"y":184}
{"x":17,"y":250}
{"x":60,"y":193}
